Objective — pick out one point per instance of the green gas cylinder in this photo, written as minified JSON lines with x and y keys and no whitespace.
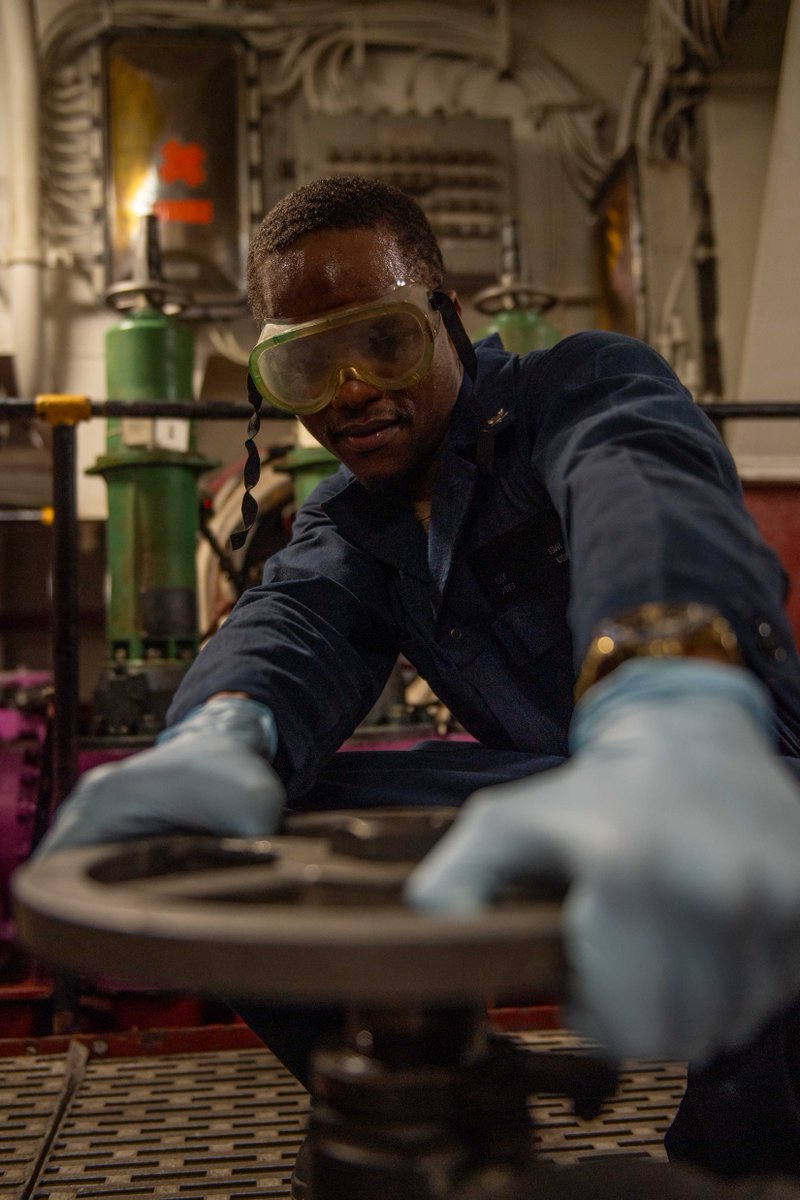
{"x":150,"y":467}
{"x":520,"y":330}
{"x":515,"y":305}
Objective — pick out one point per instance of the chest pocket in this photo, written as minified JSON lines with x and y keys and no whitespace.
{"x":526,"y":564}
{"x":527,"y":630}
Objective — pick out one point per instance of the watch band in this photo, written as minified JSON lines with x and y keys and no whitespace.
{"x":657,"y":630}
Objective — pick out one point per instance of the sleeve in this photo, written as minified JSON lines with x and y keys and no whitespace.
{"x":649,"y":498}
{"x":314,"y":641}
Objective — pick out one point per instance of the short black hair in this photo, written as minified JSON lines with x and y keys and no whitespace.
{"x":345,"y":202}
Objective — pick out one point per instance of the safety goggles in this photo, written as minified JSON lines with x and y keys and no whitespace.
{"x":387,"y":343}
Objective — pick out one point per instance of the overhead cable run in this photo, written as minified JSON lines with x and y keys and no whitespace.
{"x":320,"y":52}
{"x":683,"y":41}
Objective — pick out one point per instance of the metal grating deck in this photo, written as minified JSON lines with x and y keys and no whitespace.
{"x":227,"y":1125}
{"x":632,"y":1123}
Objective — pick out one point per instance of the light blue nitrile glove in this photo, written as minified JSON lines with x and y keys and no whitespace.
{"x":207,"y":774}
{"x":678,"y":830}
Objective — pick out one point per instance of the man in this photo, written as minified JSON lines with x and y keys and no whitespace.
{"x":559,"y":524}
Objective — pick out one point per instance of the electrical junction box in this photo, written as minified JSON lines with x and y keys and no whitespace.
{"x":458,"y":169}
{"x":180,"y":119}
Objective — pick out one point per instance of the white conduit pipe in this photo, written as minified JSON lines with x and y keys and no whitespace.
{"x":23,"y":258}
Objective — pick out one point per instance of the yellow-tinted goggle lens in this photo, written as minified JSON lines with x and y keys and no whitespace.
{"x":389,"y":344}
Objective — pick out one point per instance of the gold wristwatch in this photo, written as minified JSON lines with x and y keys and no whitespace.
{"x":657,"y":630}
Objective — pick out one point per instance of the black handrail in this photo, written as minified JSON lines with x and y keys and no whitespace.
{"x":234,"y":410}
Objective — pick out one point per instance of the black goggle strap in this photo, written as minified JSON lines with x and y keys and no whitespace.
{"x":252,"y":467}
{"x":441,"y":302}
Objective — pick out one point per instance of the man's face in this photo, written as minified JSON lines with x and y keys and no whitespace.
{"x":386,"y":437}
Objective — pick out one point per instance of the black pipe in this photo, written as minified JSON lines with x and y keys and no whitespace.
{"x":204,"y":410}
{"x":65,"y":612}
{"x":234,"y":410}
{"x":731,"y":409}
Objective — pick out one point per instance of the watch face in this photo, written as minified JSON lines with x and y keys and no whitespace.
{"x":659,"y":631}
{"x":664,"y":620}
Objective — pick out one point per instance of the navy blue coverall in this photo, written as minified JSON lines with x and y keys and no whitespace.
{"x":607,"y":488}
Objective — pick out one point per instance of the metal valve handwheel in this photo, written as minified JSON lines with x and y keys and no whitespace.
{"x":314,"y":914}
{"x":416,"y":1100}
{"x":513,"y":293}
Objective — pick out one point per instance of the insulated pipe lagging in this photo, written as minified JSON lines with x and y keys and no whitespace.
{"x":23,"y":255}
